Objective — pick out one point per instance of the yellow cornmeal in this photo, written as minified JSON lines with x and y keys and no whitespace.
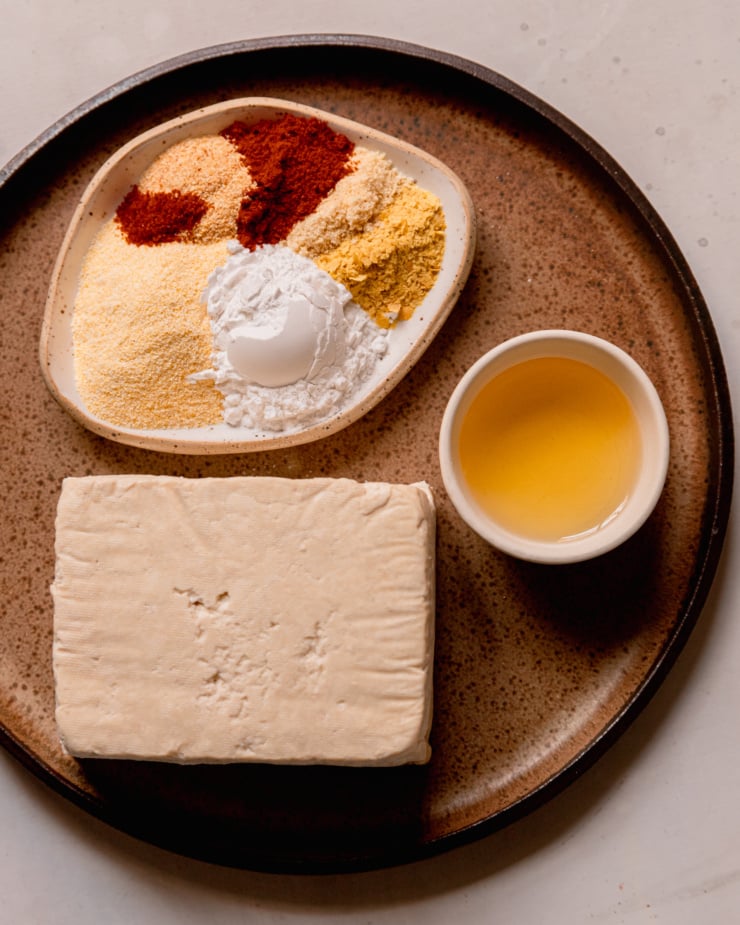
{"x":211,"y":167}
{"x":390,"y":267}
{"x":140,"y":329}
{"x":355,"y":201}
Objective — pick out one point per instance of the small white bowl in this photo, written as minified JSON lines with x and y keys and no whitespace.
{"x":650,"y":470}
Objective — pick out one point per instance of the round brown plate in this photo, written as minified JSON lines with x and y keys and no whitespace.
{"x":537,"y":668}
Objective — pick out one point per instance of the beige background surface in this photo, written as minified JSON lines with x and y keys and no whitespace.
{"x":651,"y":832}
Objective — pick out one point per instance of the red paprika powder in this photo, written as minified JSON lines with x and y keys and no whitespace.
{"x":159,"y":218}
{"x":296,"y":162}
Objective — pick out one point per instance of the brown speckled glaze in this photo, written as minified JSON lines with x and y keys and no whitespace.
{"x":537,"y":668}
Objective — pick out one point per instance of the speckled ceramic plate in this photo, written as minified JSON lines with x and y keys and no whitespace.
{"x":406,"y":341}
{"x":537,"y":668}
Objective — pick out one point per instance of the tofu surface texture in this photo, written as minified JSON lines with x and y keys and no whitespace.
{"x":244,"y":619}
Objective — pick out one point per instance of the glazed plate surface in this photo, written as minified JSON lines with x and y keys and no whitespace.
{"x":538,"y":668}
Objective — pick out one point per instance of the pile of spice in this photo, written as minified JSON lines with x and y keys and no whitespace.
{"x":151,"y":347}
{"x":290,"y":345}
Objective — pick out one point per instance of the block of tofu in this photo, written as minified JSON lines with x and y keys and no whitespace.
{"x":248,"y":619}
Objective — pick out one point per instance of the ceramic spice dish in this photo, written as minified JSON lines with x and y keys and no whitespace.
{"x":407,"y":340}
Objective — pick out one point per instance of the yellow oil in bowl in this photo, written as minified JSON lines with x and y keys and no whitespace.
{"x":550,"y":449}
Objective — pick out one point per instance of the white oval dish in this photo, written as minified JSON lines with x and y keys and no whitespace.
{"x":407,"y":341}
{"x":652,"y":425}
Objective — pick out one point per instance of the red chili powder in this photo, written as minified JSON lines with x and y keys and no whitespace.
{"x":295,"y":162}
{"x":159,"y":218}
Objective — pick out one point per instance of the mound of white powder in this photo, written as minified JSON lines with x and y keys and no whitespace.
{"x":255,"y":289}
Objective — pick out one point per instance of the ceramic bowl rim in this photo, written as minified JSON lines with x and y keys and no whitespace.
{"x":643,"y":396}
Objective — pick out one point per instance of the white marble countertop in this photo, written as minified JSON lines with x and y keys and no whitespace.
{"x":652,"y":832}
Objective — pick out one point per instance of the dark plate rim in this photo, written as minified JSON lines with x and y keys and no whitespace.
{"x":715,"y":521}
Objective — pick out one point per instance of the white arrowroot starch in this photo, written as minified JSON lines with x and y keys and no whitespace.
{"x":256,"y":288}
